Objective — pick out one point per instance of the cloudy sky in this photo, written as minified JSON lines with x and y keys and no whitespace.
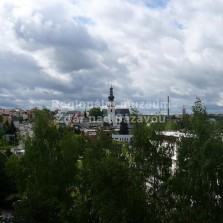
{"x":73,"y":50}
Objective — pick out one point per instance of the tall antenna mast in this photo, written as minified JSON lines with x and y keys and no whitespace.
{"x":168,"y":106}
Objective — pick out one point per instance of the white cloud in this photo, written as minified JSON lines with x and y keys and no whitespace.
{"x":79,"y":47}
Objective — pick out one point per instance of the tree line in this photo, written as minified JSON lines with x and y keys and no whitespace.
{"x":65,"y":177}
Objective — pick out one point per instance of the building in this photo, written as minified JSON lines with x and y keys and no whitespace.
{"x":122,"y":138}
{"x":111,"y":109}
{"x":114,"y":114}
{"x":111,"y":117}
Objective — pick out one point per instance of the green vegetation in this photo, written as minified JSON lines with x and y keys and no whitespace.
{"x":9,"y":128}
{"x":198,"y":182}
{"x":64,"y":177}
{"x":8,"y":188}
{"x":124,"y":129}
{"x":95,"y":112}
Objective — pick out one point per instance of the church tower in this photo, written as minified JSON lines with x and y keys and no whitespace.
{"x":111,"y":108}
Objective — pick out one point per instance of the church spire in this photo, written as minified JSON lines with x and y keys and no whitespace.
{"x":111,"y":96}
{"x":111,"y":108}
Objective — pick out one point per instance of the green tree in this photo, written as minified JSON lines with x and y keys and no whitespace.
{"x":124,"y":129}
{"x":11,"y":129}
{"x":6,"y":126}
{"x":8,"y":184}
{"x":5,"y":181}
{"x":111,"y":185}
{"x":3,"y":142}
{"x":198,"y":182}
{"x":156,"y":126}
{"x":95,"y":112}
{"x":171,"y":126}
{"x":46,"y":177}
{"x":153,"y":161}
{"x":1,"y":118}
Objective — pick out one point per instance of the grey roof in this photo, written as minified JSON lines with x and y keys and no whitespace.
{"x":118,"y":111}
{"x":72,"y":112}
{"x":122,"y":111}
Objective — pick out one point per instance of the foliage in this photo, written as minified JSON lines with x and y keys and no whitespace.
{"x":3,"y":142}
{"x":198,"y":180}
{"x":64,"y":177}
{"x":47,"y":174}
{"x":109,"y":179}
{"x":153,"y":161}
{"x":10,"y":128}
{"x":8,"y":184}
{"x":172,"y":126}
{"x":157,"y":126}
{"x":124,"y":129}
{"x":95,"y":112}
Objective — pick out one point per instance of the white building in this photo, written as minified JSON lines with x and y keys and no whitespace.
{"x":113,"y":114}
{"x":122,"y":138}
{"x":111,"y":109}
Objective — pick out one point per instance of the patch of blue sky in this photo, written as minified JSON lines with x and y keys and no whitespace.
{"x":178,"y":25}
{"x":156,"y":3}
{"x":82,"y":20}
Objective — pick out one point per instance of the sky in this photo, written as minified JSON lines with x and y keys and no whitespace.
{"x":69,"y":52}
